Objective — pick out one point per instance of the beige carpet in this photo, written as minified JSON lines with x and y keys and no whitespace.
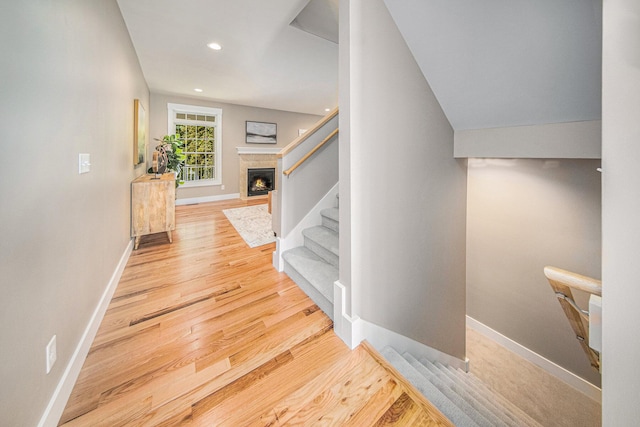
{"x":545,"y":398}
{"x":253,"y":223}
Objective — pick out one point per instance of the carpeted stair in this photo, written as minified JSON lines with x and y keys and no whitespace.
{"x":460,"y":396}
{"x":314,"y":266}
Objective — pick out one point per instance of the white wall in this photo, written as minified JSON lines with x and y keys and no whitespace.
{"x":68,"y":80}
{"x":524,"y":214}
{"x":621,"y":205}
{"x":407,"y":191}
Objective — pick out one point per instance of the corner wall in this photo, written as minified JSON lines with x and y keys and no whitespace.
{"x":408,"y":193}
{"x":621,"y":204}
{"x":68,"y":82}
{"x":524,"y":214}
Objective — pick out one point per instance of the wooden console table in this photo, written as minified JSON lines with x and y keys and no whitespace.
{"x":153,"y":206}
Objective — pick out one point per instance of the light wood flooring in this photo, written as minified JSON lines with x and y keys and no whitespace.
{"x":205,"y":332}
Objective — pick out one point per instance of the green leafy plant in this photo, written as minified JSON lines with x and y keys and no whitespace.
{"x":173,"y":147}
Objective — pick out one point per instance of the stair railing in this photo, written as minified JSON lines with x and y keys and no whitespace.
{"x":562,"y":282}
{"x":314,"y":158}
{"x":310,"y":153}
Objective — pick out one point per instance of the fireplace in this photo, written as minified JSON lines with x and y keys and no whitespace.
{"x":260,"y":181}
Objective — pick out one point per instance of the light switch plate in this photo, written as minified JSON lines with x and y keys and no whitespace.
{"x":84,"y":163}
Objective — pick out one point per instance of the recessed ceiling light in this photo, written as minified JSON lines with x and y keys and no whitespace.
{"x":215,"y":46}
{"x":198,"y":90}
{"x":327,"y":109}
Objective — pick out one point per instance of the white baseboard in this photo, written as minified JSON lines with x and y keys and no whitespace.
{"x":552,"y":368}
{"x":353,"y":330}
{"x":205,"y":199}
{"x":60,"y":396}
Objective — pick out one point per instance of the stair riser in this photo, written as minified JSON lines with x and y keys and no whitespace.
{"x":331,"y":224}
{"x":322,"y":252}
{"x":316,"y":296}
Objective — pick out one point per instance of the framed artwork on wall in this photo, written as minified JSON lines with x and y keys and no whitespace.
{"x":261,"y":133}
{"x":139,"y":133}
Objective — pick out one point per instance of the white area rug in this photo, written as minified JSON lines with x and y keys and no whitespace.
{"x":253,"y":223}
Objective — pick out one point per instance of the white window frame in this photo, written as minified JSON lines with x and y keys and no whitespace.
{"x":209,"y":111}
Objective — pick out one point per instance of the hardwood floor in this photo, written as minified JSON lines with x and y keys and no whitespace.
{"x":205,"y":332}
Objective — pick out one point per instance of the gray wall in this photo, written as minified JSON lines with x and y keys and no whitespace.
{"x":524,"y":214}
{"x":621,"y":205}
{"x":407,"y":191}
{"x":572,"y":140}
{"x":233,"y":135}
{"x":68,"y":79}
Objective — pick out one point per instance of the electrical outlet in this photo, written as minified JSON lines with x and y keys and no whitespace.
{"x":84,"y":163}
{"x":51,"y":353}
{"x":222,"y":187}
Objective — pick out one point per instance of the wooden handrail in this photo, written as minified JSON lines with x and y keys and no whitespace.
{"x":562,"y":281}
{"x":299,"y":140}
{"x":310,"y":153}
{"x":573,"y":280}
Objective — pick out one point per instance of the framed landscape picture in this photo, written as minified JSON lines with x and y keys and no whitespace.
{"x":139,"y":133}
{"x":261,"y":133}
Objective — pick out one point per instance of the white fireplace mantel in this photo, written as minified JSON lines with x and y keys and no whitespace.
{"x":258,"y":150}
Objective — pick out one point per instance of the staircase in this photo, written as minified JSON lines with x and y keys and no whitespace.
{"x":314,"y":266}
{"x":460,"y":396}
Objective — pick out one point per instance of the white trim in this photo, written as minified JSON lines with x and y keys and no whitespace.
{"x":257,"y":150}
{"x":346,"y":327}
{"x":60,"y":396}
{"x":380,"y":337}
{"x":205,"y":199}
{"x":353,"y":330}
{"x":552,"y":368}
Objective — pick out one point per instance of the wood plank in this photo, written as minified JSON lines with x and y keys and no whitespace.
{"x":204,"y":331}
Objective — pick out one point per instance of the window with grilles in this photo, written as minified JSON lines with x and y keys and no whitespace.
{"x":199,"y":128}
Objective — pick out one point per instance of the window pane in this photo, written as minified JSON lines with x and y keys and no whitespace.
{"x":191,"y":116}
{"x":211,"y":118}
{"x":190,"y":146}
{"x":191,"y":132}
{"x":180,"y":116}
{"x":180,"y":131}
{"x":200,"y":132}
{"x":209,"y":132}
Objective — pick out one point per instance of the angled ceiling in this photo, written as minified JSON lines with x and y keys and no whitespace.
{"x":491,"y":63}
{"x":265,"y":61}
{"x":497,"y":63}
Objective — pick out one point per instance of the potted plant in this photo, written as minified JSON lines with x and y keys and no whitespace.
{"x":170,"y":157}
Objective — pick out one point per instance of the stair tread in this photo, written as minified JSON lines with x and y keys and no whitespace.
{"x":331,"y":213}
{"x":485,"y":398}
{"x":471,"y":396}
{"x":324,"y":237}
{"x":430,"y":391}
{"x":517,"y":413}
{"x":460,"y":399}
{"x":314,"y":269}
